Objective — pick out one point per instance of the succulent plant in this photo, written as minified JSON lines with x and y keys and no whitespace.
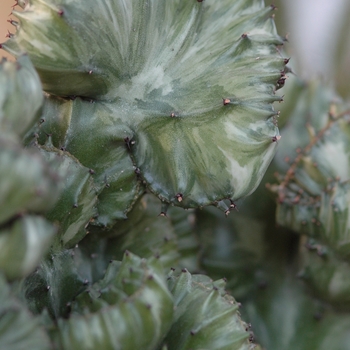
{"x":28,"y":184}
{"x":175,"y":107}
{"x":132,"y":296}
{"x":152,"y":107}
{"x":203,"y":314}
{"x":283,"y":316}
{"x":313,"y":194}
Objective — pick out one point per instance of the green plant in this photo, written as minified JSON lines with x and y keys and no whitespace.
{"x":150,"y":108}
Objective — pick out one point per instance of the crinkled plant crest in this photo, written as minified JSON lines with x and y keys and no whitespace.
{"x":172,"y":96}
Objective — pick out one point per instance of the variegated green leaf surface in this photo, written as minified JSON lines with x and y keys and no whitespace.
{"x":26,"y":180}
{"x":20,"y":96}
{"x":75,"y":207}
{"x":306,"y":109}
{"x":171,"y":239}
{"x":19,"y":329}
{"x":283,"y":316}
{"x":326,"y":274}
{"x":93,"y":135}
{"x":23,"y":244}
{"x":205,"y":316}
{"x":188,"y":85}
{"x":146,"y":233}
{"x":313,"y":195}
{"x":131,"y":308}
{"x":54,"y":285}
{"x":28,"y":184}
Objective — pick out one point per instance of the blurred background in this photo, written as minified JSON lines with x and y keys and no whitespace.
{"x":5,"y":11}
{"x":318,"y":34}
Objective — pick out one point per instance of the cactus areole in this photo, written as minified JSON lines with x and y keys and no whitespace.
{"x":188,"y":86}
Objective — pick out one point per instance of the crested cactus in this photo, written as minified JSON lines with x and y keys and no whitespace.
{"x":133,"y":295}
{"x":28,"y":185}
{"x":152,"y":107}
{"x":203,"y":313}
{"x":175,"y":109}
{"x":313,"y":195}
{"x":18,"y":328}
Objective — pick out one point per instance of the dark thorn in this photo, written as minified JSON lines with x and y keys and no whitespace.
{"x":244,"y":36}
{"x":274,"y":7}
{"x":162,"y":213}
{"x":48,"y":288}
{"x":60,"y":13}
{"x":280,"y":82}
{"x":276,"y":138}
{"x":286,"y":60}
{"x":173,"y":115}
{"x":63,"y":149}
{"x":192,"y":332}
{"x":129,"y":142}
{"x":179,"y":197}
{"x":184,"y":270}
{"x":233,"y":205}
{"x":42,"y":120}
{"x":172,"y":268}
{"x":91,"y":171}
{"x":86,"y":282}
{"x":108,"y":185}
{"x":137,"y":171}
{"x":14,"y":23}
{"x":75,"y":205}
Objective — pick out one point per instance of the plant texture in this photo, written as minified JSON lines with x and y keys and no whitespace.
{"x":129,"y":113}
{"x":177,"y":107}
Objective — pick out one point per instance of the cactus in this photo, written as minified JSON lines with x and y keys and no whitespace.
{"x":203,"y":313}
{"x":18,"y":328}
{"x":149,"y":108}
{"x":283,"y":316}
{"x":28,"y":184}
{"x":133,"y":295}
{"x":313,"y":196}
